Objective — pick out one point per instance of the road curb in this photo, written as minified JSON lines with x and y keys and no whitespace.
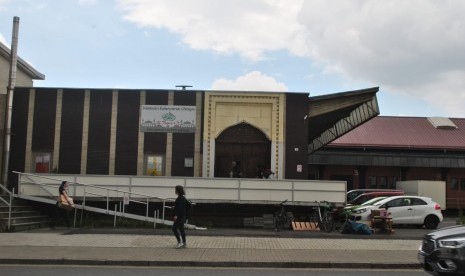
{"x":85,"y":262}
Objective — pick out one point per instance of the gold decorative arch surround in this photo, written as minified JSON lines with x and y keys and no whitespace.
{"x":264,"y":111}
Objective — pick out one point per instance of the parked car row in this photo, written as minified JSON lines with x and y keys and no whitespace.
{"x":404,"y":209}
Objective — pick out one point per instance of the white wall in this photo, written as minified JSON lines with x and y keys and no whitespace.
{"x":436,"y":190}
{"x":207,"y":190}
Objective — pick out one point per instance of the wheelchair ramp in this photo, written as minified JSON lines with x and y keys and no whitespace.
{"x":109,"y":212}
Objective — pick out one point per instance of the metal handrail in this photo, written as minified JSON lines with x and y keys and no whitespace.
{"x":9,"y":203}
{"x":41,"y":186}
{"x":7,"y":191}
{"x":108,"y":190}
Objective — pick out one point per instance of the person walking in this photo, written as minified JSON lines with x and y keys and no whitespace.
{"x":180,"y":215}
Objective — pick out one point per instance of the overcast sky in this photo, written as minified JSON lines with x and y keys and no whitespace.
{"x":414,"y":50}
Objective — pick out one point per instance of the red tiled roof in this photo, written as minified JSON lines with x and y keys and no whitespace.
{"x":403,"y":132}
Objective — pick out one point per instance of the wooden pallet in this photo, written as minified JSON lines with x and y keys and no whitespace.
{"x":305,"y":226}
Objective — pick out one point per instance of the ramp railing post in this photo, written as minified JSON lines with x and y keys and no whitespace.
{"x":163,"y":212}
{"x":83,"y":205}
{"x":147,"y":208}
{"x":9,"y":209}
{"x":75,"y":215}
{"x":19,"y":184}
{"x":114,"y":219}
{"x":155,"y":216}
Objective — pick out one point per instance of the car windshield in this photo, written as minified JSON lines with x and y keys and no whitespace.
{"x":383,"y":201}
{"x":351,"y":195}
{"x":373,"y":200}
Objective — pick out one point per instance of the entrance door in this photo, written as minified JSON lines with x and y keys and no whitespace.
{"x":244,"y":144}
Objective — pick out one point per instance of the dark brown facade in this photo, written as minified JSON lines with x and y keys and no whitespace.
{"x":71,"y":132}
{"x":127,"y":133}
{"x":99,"y":122}
{"x":97,"y":131}
{"x":296,"y":136}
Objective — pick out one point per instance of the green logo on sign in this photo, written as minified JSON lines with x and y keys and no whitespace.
{"x":168,"y":117}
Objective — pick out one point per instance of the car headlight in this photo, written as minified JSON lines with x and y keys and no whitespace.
{"x":359,"y":211}
{"x":452,"y":243}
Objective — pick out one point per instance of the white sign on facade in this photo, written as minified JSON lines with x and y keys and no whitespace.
{"x":167,"y":118}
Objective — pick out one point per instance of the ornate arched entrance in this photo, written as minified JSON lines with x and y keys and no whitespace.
{"x":243,"y":143}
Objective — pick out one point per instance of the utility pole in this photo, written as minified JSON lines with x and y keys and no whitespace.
{"x":9,"y":101}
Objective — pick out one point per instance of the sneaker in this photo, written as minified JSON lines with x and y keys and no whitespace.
{"x":180,"y":245}
{"x":184,"y":245}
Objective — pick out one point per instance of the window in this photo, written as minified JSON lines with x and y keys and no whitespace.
{"x":154,"y":165}
{"x":454,"y":184}
{"x":382,"y":182}
{"x":42,"y":162}
{"x":462,"y":184}
{"x":393,"y":182}
{"x":417,"y":201}
{"x":372,"y":181}
{"x":394,"y":203}
{"x":406,"y":202}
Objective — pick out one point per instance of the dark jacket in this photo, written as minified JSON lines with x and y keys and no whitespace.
{"x":180,"y":207}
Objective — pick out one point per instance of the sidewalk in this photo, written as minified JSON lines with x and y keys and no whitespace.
{"x":211,"y":249}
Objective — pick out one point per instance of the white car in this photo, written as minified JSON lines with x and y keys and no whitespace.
{"x":350,"y":208}
{"x":413,"y":210}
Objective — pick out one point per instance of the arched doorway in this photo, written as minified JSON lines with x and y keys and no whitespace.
{"x":245,"y":144}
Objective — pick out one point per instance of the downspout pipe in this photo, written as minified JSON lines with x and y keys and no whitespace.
{"x":9,"y":101}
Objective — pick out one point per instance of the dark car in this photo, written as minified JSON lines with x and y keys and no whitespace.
{"x":370,"y":195}
{"x":442,"y":252}
{"x":352,"y":194}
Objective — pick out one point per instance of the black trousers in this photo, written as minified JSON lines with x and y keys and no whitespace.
{"x":59,"y":212}
{"x":178,"y":230}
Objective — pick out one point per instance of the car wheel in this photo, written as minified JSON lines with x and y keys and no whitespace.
{"x":431,"y":222}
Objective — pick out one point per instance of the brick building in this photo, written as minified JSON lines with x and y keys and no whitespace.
{"x":389,"y":149}
{"x":128,"y":132}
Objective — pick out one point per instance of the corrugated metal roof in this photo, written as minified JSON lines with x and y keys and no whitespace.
{"x":404,"y":132}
